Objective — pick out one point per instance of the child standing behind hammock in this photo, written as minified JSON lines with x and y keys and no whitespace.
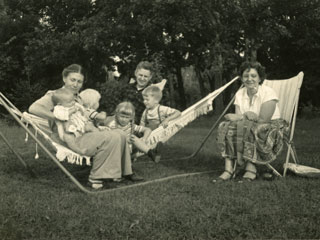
{"x":124,"y":120}
{"x":156,"y":115}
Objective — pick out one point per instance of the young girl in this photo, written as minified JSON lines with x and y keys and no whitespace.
{"x":124,"y":119}
{"x":155,"y":114}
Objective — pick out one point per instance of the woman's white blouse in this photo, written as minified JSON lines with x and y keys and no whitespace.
{"x":263,"y":95}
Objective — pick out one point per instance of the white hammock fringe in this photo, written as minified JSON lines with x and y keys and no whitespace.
{"x":201,"y":107}
{"x":72,"y":157}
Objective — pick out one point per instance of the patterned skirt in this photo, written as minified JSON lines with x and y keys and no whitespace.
{"x":257,"y":142}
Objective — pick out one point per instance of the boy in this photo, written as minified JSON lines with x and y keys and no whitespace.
{"x":133,"y":91}
{"x":155,"y":114}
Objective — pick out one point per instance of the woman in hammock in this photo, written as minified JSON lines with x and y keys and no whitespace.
{"x":109,"y":149}
{"x":254,"y":133}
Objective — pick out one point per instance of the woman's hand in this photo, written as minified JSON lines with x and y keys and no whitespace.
{"x":233,"y":117}
{"x":251,"y":116}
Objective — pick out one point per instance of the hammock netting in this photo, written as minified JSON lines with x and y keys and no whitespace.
{"x":202,"y":107}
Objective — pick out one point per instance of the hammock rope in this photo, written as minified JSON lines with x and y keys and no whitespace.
{"x":41,"y":126}
{"x":201,"y":107}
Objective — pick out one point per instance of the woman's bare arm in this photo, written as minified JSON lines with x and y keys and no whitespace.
{"x":41,"y":111}
{"x":267,"y":110}
{"x":234,"y":116}
{"x":238,"y":110}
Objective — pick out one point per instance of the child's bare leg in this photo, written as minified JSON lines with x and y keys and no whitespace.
{"x":154,"y":154}
{"x":141,"y":145}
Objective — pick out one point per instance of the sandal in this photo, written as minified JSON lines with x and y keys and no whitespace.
{"x":95,"y":186}
{"x":249,"y":176}
{"x":225,"y":176}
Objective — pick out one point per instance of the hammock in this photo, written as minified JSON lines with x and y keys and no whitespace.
{"x":201,"y":107}
{"x":63,"y":153}
{"x":41,"y":125}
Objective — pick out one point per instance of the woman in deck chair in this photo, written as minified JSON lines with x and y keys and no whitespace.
{"x":254,"y":133}
{"x":109,"y":149}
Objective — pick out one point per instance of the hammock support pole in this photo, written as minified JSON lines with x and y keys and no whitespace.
{"x":54,"y":159}
{"x":210,"y":132}
{"x":65,"y":171}
{"x":18,"y":155}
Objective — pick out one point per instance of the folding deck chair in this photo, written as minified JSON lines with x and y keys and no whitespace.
{"x":41,"y":127}
{"x":288,"y":91}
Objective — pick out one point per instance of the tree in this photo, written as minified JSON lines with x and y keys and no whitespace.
{"x":39,"y":38}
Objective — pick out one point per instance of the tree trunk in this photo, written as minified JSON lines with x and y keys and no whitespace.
{"x":254,"y":54}
{"x":251,"y":50}
{"x":201,"y":82}
{"x":181,"y":92}
{"x":211,"y":80}
{"x":171,"y":93}
{"x":218,"y":102}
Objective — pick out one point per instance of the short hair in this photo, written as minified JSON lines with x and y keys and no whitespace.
{"x":255,"y":65}
{"x":60,"y":95}
{"x":126,"y":108}
{"x":145,"y":65}
{"x":153,"y":91}
{"x":90,"y":97}
{"x":73,"y":68}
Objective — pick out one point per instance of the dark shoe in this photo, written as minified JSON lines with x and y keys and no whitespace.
{"x":225,"y":176}
{"x":133,"y":177}
{"x":155,"y":154}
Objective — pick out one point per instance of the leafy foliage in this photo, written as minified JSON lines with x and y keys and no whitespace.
{"x":39,"y":38}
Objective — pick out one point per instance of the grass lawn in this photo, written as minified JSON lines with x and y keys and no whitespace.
{"x":51,"y":207}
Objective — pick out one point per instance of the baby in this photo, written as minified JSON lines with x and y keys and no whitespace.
{"x":66,"y":109}
{"x":156,"y":115}
{"x":70,"y":117}
{"x":124,"y":119}
{"x":90,"y":99}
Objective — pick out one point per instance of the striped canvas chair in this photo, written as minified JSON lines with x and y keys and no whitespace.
{"x":288,"y":91}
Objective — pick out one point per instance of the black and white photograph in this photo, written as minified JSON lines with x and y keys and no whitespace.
{"x":159,"y":119}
